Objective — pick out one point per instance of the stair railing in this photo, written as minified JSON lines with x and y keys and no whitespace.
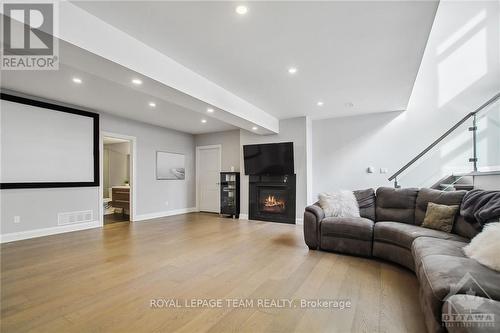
{"x":473,"y":129}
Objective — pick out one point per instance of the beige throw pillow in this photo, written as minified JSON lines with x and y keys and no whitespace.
{"x":440,"y":217}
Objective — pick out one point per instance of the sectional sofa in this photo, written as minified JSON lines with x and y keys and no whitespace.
{"x":389,"y":228}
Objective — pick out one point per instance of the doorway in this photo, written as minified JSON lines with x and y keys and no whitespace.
{"x":208,"y":168}
{"x":117,"y":178}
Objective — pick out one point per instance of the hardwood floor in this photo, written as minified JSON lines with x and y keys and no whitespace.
{"x":116,"y":217}
{"x":103,"y":280}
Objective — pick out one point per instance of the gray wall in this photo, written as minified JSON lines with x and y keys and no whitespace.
{"x":230,"y":142}
{"x":38,"y":208}
{"x":443,"y":93}
{"x":294,"y":130}
{"x":156,"y":196}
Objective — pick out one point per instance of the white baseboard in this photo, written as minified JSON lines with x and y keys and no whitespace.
{"x":243,"y":217}
{"x":16,"y":236}
{"x":143,"y":217}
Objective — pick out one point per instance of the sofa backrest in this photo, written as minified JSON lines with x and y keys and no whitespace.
{"x":449,"y":198}
{"x":366,"y":202}
{"x":396,"y":204}
{"x":426,"y":195}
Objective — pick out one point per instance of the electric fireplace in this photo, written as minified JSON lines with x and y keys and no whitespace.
{"x":272,"y":198}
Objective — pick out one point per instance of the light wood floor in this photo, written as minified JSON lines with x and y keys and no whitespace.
{"x":102,"y":280}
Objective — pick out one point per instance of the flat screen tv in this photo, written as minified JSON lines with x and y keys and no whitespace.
{"x":269,"y":159}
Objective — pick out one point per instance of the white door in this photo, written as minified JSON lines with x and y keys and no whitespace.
{"x":208,"y":179}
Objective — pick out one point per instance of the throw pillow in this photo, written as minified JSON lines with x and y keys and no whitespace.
{"x":440,"y":217}
{"x":485,"y":247}
{"x":339,"y":204}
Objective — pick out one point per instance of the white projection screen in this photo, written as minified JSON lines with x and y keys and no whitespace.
{"x":47,"y":145}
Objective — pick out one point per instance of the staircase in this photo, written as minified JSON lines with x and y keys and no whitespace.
{"x":455,"y":183}
{"x":464,"y":157}
{"x":469,"y":181}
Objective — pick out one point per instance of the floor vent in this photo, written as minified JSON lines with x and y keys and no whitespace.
{"x":74,"y":217}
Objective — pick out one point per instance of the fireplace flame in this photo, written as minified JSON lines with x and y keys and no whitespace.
{"x":271,"y":201}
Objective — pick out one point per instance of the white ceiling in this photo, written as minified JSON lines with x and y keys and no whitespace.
{"x":107,"y":87}
{"x":365,"y":53}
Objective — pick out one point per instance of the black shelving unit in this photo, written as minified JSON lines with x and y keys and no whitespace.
{"x":230,"y":194}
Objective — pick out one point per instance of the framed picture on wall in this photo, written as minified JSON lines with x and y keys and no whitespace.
{"x":170,"y":166}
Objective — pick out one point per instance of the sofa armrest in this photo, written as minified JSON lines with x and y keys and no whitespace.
{"x":317,"y":211}
{"x":313,"y":216}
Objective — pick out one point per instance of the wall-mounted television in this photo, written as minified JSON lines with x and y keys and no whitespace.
{"x":269,"y":159}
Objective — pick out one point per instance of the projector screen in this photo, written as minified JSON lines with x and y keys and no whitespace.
{"x":47,"y":145}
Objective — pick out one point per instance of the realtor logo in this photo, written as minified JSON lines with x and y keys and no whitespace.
{"x":28,"y":37}
{"x":469,"y":293}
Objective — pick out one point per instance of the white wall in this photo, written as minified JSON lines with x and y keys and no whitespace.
{"x":230,"y":142}
{"x":487,"y":182}
{"x":38,"y":208}
{"x":460,"y":70}
{"x":293,"y":130}
{"x":118,"y":160}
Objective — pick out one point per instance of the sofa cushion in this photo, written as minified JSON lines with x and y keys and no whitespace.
{"x":396,"y":204}
{"x":442,"y":276}
{"x":341,"y":244}
{"x":393,"y":253}
{"x":427,"y":246}
{"x":403,"y":235}
{"x":348,"y":227}
{"x":462,"y":306}
{"x":426,"y":195}
{"x":366,"y":202}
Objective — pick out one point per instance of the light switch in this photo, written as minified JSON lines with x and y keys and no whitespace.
{"x":383,"y":170}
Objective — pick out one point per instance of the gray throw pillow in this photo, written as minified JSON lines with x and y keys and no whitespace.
{"x":440,"y":217}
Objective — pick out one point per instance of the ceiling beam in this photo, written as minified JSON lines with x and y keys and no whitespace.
{"x":98,"y":37}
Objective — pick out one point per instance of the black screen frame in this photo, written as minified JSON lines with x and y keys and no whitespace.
{"x":65,"y":109}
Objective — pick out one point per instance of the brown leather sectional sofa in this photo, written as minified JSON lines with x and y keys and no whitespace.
{"x":389,"y":228}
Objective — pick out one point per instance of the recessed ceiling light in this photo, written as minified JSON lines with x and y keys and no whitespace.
{"x":292,"y":70}
{"x":77,"y":80}
{"x":210,"y":110}
{"x":349,"y":105}
{"x":242,"y":10}
{"x":255,"y":128}
{"x":152,"y":104}
{"x":320,"y":103}
{"x":203,"y":121}
{"x":136,"y":81}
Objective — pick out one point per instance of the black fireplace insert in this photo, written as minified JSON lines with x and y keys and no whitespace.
{"x":272,"y":198}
